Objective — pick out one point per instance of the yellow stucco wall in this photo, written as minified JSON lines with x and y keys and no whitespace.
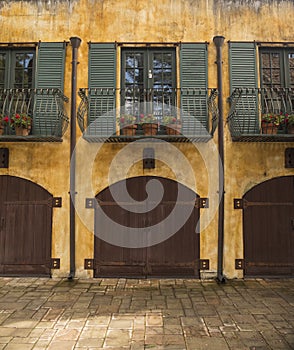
{"x":246,"y":164}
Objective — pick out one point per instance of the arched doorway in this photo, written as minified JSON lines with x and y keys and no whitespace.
{"x":25,"y":227}
{"x":178,"y":255}
{"x":268,"y":224}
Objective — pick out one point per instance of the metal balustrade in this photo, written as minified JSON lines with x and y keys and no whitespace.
{"x":249,"y":107}
{"x":45,"y":108}
{"x":102,"y":110}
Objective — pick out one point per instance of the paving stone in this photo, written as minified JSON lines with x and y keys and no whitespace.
{"x":206,"y":343}
{"x":62,"y":345}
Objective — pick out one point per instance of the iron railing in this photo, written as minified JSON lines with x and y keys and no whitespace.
{"x":195,"y":111}
{"x":250,"y":106}
{"x":45,"y":107}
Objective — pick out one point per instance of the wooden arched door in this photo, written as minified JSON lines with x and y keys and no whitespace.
{"x":25,"y":227}
{"x":178,"y":255}
{"x":268,"y":228}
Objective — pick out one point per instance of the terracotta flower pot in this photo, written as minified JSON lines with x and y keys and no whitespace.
{"x":1,"y":129}
{"x":150,"y":129}
{"x":19,"y":131}
{"x":269,"y":128}
{"x":173,"y":129}
{"x":129,"y":130}
{"x":290,"y":129}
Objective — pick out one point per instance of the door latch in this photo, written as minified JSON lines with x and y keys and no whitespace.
{"x":150,"y":75}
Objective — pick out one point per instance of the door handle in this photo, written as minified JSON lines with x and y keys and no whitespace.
{"x":292,"y":224}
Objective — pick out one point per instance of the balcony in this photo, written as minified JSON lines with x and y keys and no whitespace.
{"x":249,"y":107}
{"x":45,"y":107}
{"x":101,"y":121}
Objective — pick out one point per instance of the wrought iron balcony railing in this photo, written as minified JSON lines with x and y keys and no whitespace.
{"x":44,"y":107}
{"x":262,"y":115}
{"x":194,"y":113}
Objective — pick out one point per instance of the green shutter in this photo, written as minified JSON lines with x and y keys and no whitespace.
{"x":49,"y":75}
{"x":243,"y":75}
{"x":193,"y":64}
{"x":102,"y":73}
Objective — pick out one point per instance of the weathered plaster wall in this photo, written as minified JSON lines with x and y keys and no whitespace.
{"x":153,"y":21}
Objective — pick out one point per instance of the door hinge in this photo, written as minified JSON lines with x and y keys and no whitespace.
{"x":4,"y":157}
{"x":90,"y":203}
{"x":239,"y":264}
{"x":57,"y":202}
{"x":289,"y":158}
{"x":89,"y":264}
{"x":204,"y":264}
{"x":55,"y":263}
{"x":202,"y":203}
{"x":238,"y":203}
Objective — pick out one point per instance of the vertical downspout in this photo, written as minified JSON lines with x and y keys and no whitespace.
{"x":218,"y":41}
{"x":75,"y":43}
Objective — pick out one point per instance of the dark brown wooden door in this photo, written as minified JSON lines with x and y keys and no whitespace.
{"x":268,"y":219}
{"x":178,"y":255}
{"x":25,"y":228}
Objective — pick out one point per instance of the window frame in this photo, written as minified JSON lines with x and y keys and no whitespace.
{"x":285,"y":81}
{"x":10,"y":68}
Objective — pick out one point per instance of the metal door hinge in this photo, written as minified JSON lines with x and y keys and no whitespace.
{"x":57,"y":202}
{"x":239,"y":264}
{"x":204,"y":264}
{"x":89,"y":264}
{"x":202,"y":203}
{"x":90,"y":203}
{"x":55,"y":263}
{"x":289,"y":158}
{"x":238,"y":203}
{"x":4,"y":157}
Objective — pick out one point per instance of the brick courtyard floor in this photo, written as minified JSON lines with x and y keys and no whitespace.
{"x":39,"y":313}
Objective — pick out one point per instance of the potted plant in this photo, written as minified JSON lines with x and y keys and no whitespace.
{"x":149,"y":124}
{"x":21,"y":123}
{"x":269,"y":123}
{"x":127,"y":124}
{"x":172,"y":124}
{"x":4,"y":122}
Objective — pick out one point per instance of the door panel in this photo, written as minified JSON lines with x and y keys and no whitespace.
{"x":26,"y":226}
{"x":176,"y":256}
{"x":268,"y":229}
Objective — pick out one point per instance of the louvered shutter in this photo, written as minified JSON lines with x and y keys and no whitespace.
{"x":243,"y":75}
{"x":102,"y":72}
{"x":193,"y":66}
{"x":49,"y":75}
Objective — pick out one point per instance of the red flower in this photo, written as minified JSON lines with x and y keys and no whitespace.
{"x":17,"y":116}
{"x":6,"y":119}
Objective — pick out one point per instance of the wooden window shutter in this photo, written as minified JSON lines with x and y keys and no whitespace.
{"x":243,"y":75}
{"x":102,"y":73}
{"x":193,"y":71}
{"x":49,"y":75}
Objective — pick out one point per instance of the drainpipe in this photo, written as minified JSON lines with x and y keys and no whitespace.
{"x":218,"y":41}
{"x":75,"y":43}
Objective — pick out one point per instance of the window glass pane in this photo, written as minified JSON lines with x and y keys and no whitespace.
{"x":23,"y":72}
{"x":134,"y":69}
{"x":265,"y":57}
{"x":2,"y":69}
{"x":275,"y":60}
{"x":276,"y":78}
{"x":291,"y":68}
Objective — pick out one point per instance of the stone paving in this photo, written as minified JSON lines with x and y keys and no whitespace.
{"x":57,"y":314}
